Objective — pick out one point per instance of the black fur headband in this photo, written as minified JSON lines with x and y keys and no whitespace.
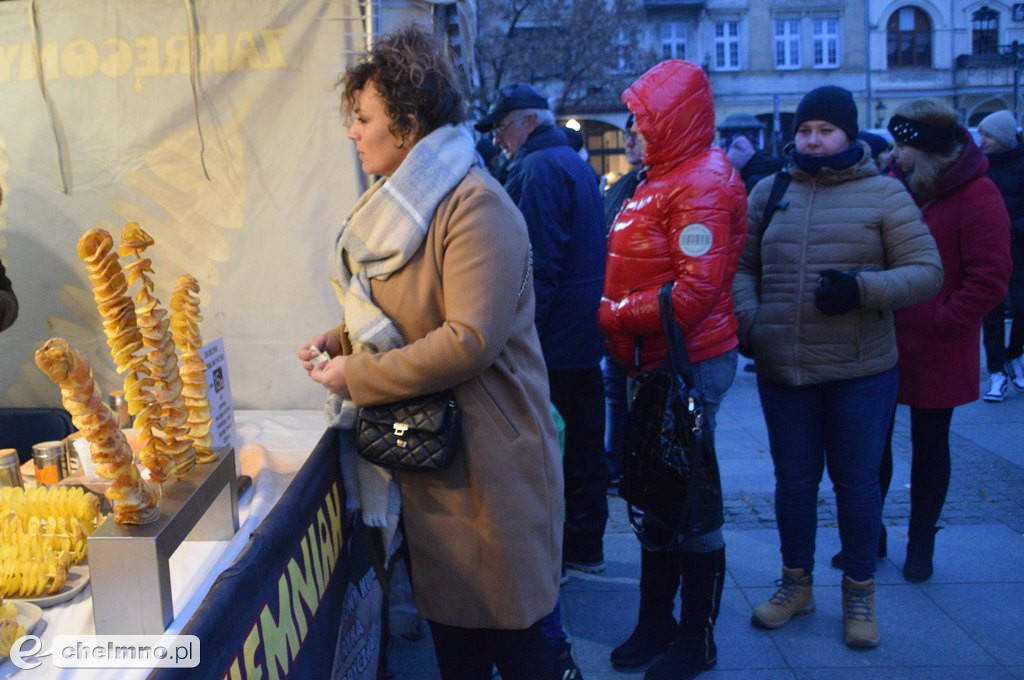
{"x":922,"y":135}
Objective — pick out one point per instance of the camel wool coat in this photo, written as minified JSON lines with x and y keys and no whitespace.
{"x":485,"y":535}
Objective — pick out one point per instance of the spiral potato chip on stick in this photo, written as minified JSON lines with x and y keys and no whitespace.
{"x":170,"y":434}
{"x":110,"y":290}
{"x":133,"y":499}
{"x":185,"y":318}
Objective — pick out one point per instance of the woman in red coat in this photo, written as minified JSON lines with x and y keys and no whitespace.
{"x":939,"y":364}
{"x":684,"y":224}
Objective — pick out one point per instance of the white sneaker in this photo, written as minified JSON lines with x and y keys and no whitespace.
{"x":997,"y":386}
{"x":1015,"y":369}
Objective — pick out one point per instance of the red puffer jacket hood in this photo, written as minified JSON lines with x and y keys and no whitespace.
{"x":685,"y":223}
{"x":675,"y":112}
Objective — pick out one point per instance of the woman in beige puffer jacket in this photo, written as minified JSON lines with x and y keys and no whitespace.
{"x":852,"y":220}
{"x":814,"y":295}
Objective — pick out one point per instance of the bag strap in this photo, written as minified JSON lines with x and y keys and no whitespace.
{"x":678,"y":357}
{"x":775,"y":202}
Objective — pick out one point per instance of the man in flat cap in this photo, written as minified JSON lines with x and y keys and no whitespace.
{"x":556,"y":192}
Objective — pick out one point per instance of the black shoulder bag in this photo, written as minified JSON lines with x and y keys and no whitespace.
{"x":670,"y":479}
{"x":413,"y":435}
{"x":420,"y":434}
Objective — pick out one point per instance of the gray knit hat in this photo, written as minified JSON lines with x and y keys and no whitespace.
{"x":1001,"y":127}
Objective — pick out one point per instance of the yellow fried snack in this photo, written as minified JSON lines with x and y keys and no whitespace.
{"x":28,"y":570}
{"x":10,"y":631}
{"x":110,"y":290}
{"x":56,"y":518}
{"x":185,"y":320}
{"x":133,"y":499}
{"x":70,"y":503}
{"x":167,"y":448}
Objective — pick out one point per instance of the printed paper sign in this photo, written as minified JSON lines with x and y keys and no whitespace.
{"x":218,"y":391}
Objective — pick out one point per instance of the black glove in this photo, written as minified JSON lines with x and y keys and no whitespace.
{"x":837,"y":293}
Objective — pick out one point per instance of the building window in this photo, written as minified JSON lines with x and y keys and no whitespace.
{"x":985,"y":31}
{"x":787,"y":43}
{"x":672,"y":36}
{"x":826,"y":43}
{"x":909,"y":39}
{"x":727,"y":45}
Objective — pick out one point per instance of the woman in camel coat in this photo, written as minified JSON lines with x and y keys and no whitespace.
{"x":439,"y":250}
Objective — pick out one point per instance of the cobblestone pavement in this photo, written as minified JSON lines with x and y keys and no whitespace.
{"x":985,"y":487}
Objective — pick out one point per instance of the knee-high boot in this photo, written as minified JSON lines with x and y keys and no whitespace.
{"x":693,"y":650}
{"x":656,"y":626}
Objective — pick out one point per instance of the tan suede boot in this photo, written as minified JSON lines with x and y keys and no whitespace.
{"x":859,"y":624}
{"x":793,"y":598}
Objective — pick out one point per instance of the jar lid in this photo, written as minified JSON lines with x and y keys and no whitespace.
{"x":5,"y":454}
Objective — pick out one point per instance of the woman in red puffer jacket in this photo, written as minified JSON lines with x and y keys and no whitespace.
{"x":685,"y":223}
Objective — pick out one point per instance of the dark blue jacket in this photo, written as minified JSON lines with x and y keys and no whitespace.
{"x":1006,"y":169}
{"x":555,"y":190}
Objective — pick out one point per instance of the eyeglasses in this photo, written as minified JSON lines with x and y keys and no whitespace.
{"x":500,"y":129}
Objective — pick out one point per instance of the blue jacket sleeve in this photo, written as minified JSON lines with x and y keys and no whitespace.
{"x":545,"y":204}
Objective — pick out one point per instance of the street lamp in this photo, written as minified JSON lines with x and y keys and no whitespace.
{"x":880,"y":114}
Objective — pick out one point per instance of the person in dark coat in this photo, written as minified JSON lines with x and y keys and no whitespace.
{"x":1002,"y":144}
{"x":939,"y":360}
{"x":556,"y":192}
{"x":616,"y":402}
{"x":739,"y":134}
{"x":8,"y":300}
{"x":881,"y":149}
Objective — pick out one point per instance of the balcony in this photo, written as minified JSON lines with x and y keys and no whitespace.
{"x":988,"y":70}
{"x":972,"y":61}
{"x":675,"y":4}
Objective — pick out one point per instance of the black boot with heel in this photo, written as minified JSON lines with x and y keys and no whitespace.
{"x":656,"y":626}
{"x":920,"y":548}
{"x":693,"y":651}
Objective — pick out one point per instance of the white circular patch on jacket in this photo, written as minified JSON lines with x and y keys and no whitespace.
{"x":695,"y":240}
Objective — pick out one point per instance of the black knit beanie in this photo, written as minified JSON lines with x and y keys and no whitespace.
{"x":831,"y":104}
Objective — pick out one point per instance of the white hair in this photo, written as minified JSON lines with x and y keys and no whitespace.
{"x":543,"y":116}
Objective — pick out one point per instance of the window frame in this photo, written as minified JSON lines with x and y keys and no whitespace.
{"x":980,"y":33}
{"x":914,"y":35}
{"x":674,"y":41}
{"x":823,"y":39}
{"x":788,"y":41}
{"x":728,"y":44}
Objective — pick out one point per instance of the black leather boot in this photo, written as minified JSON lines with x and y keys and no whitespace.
{"x":656,"y":627}
{"x":694,"y":651}
{"x":920,"y":548}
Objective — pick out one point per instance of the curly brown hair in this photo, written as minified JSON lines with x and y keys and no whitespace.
{"x":411,"y":71}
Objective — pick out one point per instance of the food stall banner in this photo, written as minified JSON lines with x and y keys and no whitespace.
{"x":302,"y":600}
{"x":215,"y":125}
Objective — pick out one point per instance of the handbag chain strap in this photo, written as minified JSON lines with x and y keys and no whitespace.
{"x":526,"y":274}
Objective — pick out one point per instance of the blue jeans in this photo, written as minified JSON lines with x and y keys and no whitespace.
{"x":843,"y":424}
{"x":713,"y":377}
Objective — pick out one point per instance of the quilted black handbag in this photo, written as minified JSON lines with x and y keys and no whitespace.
{"x":414,"y":435}
{"x":670,"y":478}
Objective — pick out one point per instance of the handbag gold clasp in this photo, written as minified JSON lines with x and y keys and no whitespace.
{"x":400,"y":429}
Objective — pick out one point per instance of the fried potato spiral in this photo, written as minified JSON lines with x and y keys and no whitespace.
{"x":133,"y":499}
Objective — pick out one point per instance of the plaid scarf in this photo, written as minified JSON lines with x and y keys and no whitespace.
{"x":385,"y":229}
